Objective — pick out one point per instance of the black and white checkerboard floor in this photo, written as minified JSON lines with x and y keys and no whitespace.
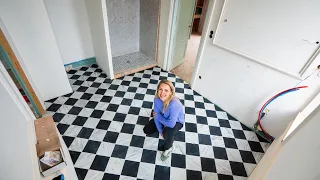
{"x":102,"y":125}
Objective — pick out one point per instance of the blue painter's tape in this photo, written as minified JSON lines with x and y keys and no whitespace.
{"x":85,"y":62}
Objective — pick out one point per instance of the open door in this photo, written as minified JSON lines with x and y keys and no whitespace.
{"x":7,"y":56}
{"x":182,"y":31}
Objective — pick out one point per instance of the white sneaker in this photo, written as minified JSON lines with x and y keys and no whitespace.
{"x":166,"y":154}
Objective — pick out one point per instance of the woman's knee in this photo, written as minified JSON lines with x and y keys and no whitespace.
{"x":168,"y":132}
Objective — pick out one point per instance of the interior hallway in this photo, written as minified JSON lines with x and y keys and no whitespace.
{"x":184,"y":70}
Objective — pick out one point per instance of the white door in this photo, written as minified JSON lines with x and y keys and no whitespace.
{"x":258,"y":49}
{"x":182,"y":26}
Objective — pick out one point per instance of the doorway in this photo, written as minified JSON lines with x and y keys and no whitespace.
{"x":21,"y":88}
{"x":16,"y":73}
{"x":129,"y":40}
{"x":184,"y":70}
{"x":133,"y":31}
{"x":186,"y":36}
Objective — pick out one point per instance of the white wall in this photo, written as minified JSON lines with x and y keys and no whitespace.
{"x":241,"y":86}
{"x":98,"y":22}
{"x":280,"y":35}
{"x":70,"y":25}
{"x":31,"y":36}
{"x":166,"y":8}
{"x":299,"y":157}
{"x":17,"y":152}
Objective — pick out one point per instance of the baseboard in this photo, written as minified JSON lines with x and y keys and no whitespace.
{"x":131,"y":71}
{"x":84,"y":62}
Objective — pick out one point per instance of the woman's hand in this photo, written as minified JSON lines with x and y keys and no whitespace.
{"x":154,"y":114}
{"x":162,"y":136}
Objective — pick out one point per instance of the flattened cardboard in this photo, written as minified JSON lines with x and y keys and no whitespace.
{"x":49,"y":144}
{"x":45,"y":128}
{"x":48,"y":140}
{"x":47,"y":136}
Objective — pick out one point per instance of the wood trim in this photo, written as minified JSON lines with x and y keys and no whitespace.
{"x":268,"y":158}
{"x":158,"y":32}
{"x":124,"y":73}
{"x":6,"y":46}
{"x":203,"y":16}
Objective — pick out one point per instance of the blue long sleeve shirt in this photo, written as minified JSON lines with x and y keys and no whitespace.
{"x":174,"y":113}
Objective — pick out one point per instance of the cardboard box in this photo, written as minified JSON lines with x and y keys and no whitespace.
{"x":48,"y":140}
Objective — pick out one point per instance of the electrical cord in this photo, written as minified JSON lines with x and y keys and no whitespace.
{"x":269,"y":101}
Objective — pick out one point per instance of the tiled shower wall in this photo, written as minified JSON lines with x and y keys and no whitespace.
{"x":124,"y":25}
{"x":148,"y":26}
{"x":133,"y":26}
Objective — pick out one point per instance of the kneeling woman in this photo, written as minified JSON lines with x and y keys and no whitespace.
{"x":168,"y":116}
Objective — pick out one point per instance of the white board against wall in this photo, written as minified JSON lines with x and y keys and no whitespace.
{"x":70,"y":26}
{"x":98,"y":22}
{"x":271,"y":34}
{"x":27,"y":27}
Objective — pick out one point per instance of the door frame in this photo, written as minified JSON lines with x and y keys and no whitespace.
{"x":131,"y":71}
{"x":174,"y":30}
{"x":23,"y":107}
{"x":204,"y":36}
{"x":11,"y":59}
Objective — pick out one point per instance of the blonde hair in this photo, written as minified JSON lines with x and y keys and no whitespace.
{"x":166,"y":103}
